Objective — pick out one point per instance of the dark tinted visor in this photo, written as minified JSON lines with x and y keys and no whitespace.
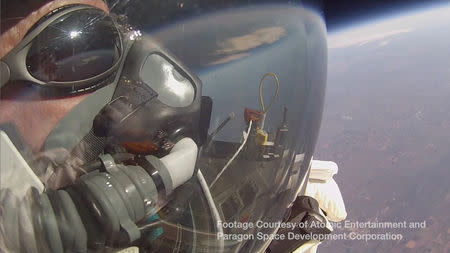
{"x":79,"y":45}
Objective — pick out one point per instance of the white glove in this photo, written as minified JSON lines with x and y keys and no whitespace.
{"x":324,"y":189}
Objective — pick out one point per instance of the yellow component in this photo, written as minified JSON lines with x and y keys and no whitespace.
{"x":261,"y":137}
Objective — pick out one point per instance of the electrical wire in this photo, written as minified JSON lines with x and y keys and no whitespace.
{"x":213,"y":207}
{"x":261,"y":99}
{"x":234,"y":156}
{"x":178,"y":240}
{"x":277,"y":82}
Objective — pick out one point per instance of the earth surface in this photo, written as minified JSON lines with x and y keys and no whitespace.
{"x":387,"y":125}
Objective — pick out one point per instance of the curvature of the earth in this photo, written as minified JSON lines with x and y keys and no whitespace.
{"x":387,"y":125}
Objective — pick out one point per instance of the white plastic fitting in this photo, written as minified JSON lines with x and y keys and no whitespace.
{"x":180,"y":162}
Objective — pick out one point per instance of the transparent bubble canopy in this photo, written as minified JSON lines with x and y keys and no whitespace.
{"x":198,"y":137}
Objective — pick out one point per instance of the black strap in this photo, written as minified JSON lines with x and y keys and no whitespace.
{"x":154,"y":173}
{"x":304,"y":210}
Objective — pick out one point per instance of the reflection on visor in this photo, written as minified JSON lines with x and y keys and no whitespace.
{"x":173,"y":89}
{"x":71,"y":48}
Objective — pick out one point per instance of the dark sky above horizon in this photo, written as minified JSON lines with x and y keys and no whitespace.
{"x":339,"y":13}
{"x":151,"y":14}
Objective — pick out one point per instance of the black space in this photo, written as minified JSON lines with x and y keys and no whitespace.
{"x":342,"y":12}
{"x":337,"y":13}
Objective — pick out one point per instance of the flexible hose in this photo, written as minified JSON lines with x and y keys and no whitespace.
{"x":213,"y":207}
{"x":234,"y":156}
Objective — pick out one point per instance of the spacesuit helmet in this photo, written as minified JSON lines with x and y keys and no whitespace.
{"x":191,"y":136}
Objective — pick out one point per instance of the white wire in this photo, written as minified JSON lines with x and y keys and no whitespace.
{"x":234,"y":156}
{"x":213,"y":207}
